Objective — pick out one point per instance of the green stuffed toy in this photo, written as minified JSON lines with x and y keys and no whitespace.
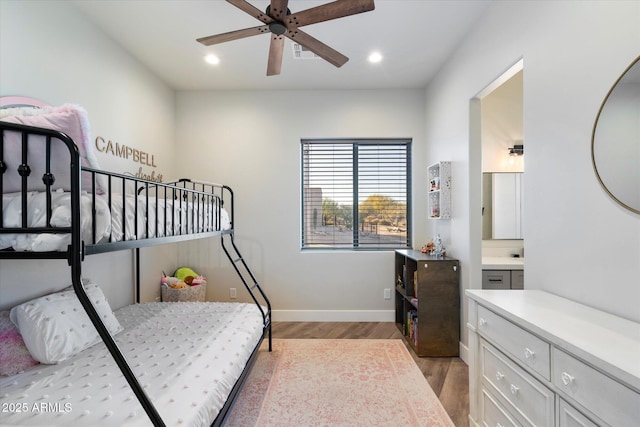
{"x":183,"y":272}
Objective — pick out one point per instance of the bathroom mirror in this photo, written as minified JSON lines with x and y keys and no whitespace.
{"x":502,"y":205}
{"x":615,"y":142}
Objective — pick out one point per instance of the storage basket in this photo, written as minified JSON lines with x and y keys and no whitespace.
{"x":188,"y":293}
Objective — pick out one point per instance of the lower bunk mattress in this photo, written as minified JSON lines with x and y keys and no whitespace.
{"x":186,"y":355}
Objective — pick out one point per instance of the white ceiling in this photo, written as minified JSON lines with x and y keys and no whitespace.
{"x":414,"y":36}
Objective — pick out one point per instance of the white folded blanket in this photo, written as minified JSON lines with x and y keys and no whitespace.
{"x":180,"y":218}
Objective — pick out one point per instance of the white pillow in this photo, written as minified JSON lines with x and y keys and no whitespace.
{"x":56,"y":327}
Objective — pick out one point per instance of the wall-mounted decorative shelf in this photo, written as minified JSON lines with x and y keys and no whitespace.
{"x":439,"y":190}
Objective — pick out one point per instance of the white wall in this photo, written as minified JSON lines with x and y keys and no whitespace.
{"x":49,"y":51}
{"x":251,"y":141}
{"x":579,"y":243}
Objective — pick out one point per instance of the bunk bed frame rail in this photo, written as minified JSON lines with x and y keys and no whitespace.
{"x":182,"y":191}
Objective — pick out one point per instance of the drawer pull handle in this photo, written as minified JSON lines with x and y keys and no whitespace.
{"x":499,"y":376}
{"x":514,"y":389}
{"x":567,"y":378}
{"x":528,"y":353}
{"x":482,"y":321}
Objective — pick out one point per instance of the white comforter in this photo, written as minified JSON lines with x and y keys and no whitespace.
{"x":187,"y":356}
{"x":180,"y":218}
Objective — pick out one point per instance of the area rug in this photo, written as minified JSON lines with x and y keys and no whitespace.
{"x":356,"y":382}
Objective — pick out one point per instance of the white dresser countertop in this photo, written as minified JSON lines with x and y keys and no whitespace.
{"x":502,"y":263}
{"x":601,"y":339}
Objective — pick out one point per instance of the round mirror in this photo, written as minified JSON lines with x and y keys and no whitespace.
{"x":615,"y":142}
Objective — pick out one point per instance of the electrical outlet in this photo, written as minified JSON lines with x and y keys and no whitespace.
{"x":232,"y":293}
{"x":387,"y":293}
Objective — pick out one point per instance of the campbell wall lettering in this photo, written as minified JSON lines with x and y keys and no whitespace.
{"x":125,"y":152}
{"x":129,"y":153}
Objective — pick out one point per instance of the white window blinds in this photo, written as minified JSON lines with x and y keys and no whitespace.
{"x":356,"y":194}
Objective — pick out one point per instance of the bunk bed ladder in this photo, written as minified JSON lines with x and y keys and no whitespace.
{"x":248,"y":279}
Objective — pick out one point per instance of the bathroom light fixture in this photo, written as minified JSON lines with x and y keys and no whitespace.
{"x":212,"y":59}
{"x":516,"y":150}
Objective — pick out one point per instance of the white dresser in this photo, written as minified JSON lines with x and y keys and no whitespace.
{"x":536,"y":359}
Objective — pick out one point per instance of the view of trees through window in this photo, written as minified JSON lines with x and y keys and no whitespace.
{"x":373,"y":176}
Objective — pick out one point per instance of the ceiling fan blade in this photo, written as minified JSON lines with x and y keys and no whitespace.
{"x":326,"y":12}
{"x":317,"y":47}
{"x":233,"y":35}
{"x":274,"y":64}
{"x":278,"y":9}
{"x":252,"y":10}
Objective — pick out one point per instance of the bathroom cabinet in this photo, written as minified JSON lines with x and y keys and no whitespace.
{"x":507,"y":197}
{"x":502,"y":279}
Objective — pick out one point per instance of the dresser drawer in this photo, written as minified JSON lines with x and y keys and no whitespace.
{"x":492,"y":414}
{"x":571,"y":417}
{"x":529,"y":398}
{"x":520,"y":344}
{"x":609,"y":400}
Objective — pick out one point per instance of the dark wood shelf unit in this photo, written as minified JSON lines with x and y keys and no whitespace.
{"x":427,"y":294}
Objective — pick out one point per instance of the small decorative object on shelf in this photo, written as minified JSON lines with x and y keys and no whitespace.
{"x":439,"y":198}
{"x":436,"y":249}
{"x":428,"y":248}
{"x":439,"y":250}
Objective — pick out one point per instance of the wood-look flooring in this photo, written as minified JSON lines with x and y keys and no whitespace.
{"x":448,"y":376}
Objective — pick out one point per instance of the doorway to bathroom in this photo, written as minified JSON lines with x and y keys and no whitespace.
{"x":497,"y":182}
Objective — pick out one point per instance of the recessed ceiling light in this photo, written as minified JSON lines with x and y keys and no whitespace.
{"x":212,"y":59}
{"x":375,"y":57}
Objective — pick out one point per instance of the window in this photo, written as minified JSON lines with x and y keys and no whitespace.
{"x":356,"y":194}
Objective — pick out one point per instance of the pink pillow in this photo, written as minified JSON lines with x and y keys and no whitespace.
{"x":14,"y":356}
{"x":69,"y":119}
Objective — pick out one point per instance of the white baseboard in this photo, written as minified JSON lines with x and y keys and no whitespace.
{"x":333,"y":315}
{"x":464,"y":353}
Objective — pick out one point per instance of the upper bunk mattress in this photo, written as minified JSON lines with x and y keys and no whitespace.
{"x":187,"y":356}
{"x":166,"y":217}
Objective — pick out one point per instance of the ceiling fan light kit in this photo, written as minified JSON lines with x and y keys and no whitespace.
{"x":280,"y":22}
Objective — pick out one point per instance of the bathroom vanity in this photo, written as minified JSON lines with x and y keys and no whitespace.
{"x":502,"y":272}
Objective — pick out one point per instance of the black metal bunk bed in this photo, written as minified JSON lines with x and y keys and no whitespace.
{"x":183,"y":191}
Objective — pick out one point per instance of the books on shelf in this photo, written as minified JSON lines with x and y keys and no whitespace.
{"x":409,"y":281}
{"x":412,"y":326}
{"x":406,"y":281}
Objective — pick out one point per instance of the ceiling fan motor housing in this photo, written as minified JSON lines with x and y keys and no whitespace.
{"x":277,"y":27}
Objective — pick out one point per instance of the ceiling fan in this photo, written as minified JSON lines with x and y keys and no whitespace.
{"x":280,"y":22}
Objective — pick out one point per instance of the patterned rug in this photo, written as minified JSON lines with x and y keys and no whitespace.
{"x":336,"y":383}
